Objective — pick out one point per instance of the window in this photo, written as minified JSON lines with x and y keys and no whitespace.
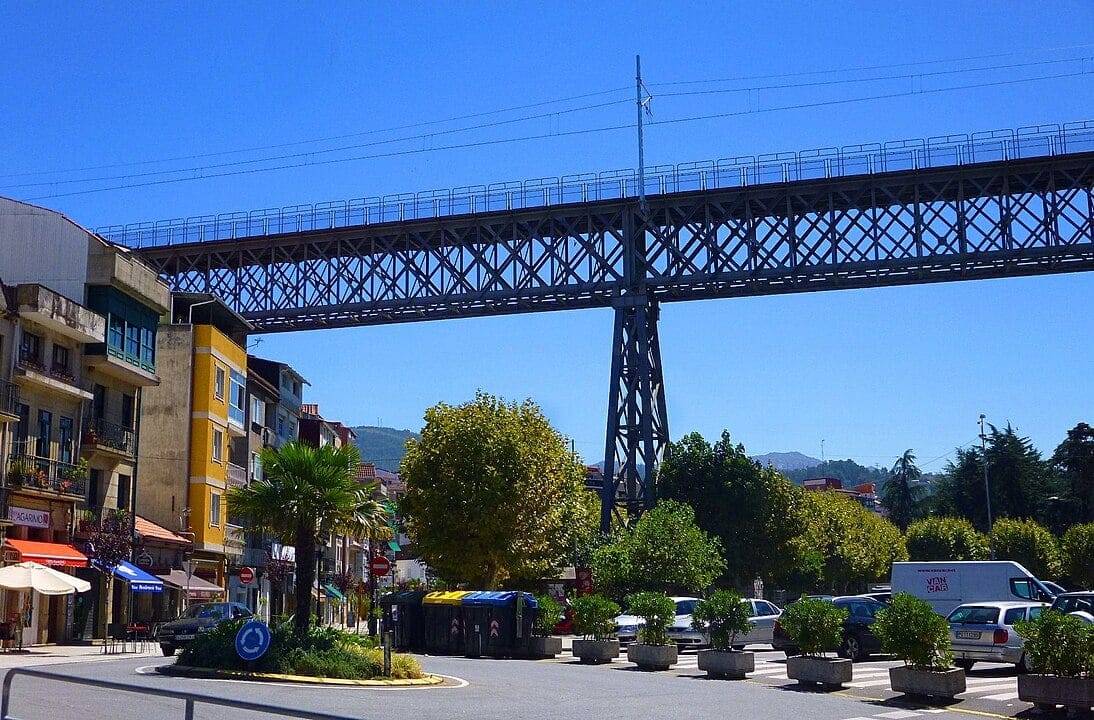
{"x":60,"y":359}
{"x":128,"y":403}
{"x":237,"y":398}
{"x":258,"y":411}
{"x":132,"y":341}
{"x":64,"y":439}
{"x":148,"y":348}
{"x":98,"y":403}
{"x":218,"y":445}
{"x":218,"y":383}
{"x":30,"y":348}
{"x":93,"y":478}
{"x":125,"y":489}
{"x":115,"y":335}
{"x":1013,"y":615}
{"x":22,"y":428}
{"x":256,"y":466}
{"x":45,"y":433}
{"x":214,"y":509}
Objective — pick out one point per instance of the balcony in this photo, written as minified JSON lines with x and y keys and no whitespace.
{"x":8,"y":398}
{"x":59,"y":314}
{"x":237,"y":476}
{"x":103,"y":436}
{"x":45,"y":476}
{"x":60,"y":380}
{"x":109,"y":265}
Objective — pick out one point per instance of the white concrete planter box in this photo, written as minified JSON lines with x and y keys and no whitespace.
{"x":1048,"y":691}
{"x":544,"y":647}
{"x":728,"y":664}
{"x":830,"y":672}
{"x":596,"y":651}
{"x":928,"y":683}
{"x":652,"y":657}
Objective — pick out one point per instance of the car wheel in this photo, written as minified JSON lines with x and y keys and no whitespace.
{"x":852,"y":648}
{"x":964,"y":664}
{"x":1025,"y":665}
{"x":168,"y":650}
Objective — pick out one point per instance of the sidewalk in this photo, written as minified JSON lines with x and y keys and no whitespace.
{"x":56,"y":654}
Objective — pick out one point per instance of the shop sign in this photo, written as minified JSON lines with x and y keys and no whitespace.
{"x":29,"y":517}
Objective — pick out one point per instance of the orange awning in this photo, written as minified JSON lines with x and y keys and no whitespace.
{"x":47,"y":553}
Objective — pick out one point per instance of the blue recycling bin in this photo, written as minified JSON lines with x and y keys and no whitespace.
{"x":498,"y":623}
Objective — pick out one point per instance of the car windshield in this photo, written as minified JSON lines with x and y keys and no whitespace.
{"x":685,"y":607}
{"x":205,"y":611}
{"x":974,"y":614}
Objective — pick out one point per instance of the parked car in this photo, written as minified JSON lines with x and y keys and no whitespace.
{"x":1079,"y":603}
{"x":197,"y":619}
{"x":984,"y":631}
{"x":763,"y":615}
{"x":885,"y":597}
{"x":858,"y":640}
{"x":626,"y":625}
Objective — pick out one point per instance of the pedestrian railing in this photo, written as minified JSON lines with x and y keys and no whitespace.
{"x":188,"y":701}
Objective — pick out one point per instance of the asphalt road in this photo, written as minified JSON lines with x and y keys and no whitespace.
{"x":559,"y":689}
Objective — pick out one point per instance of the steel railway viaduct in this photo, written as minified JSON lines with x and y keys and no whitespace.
{"x":989,"y":205}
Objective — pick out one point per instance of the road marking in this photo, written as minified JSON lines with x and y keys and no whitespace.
{"x":1001,"y":696}
{"x":898,"y":714}
{"x":868,"y":683}
{"x":993,"y":688}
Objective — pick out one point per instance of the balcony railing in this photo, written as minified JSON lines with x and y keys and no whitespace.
{"x":33,"y":364}
{"x":106,"y":434}
{"x":237,"y":476}
{"x":45,"y":475}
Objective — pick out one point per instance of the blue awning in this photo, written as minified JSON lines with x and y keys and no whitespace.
{"x":139,"y":580}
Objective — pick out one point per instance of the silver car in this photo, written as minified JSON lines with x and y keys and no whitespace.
{"x":985,"y":632}
{"x":763,"y":617}
{"x":627,"y":625}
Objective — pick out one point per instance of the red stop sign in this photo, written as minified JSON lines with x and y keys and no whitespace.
{"x":379,"y":565}
{"x":246,"y":575}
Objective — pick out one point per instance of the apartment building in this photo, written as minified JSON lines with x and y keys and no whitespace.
{"x":188,"y":424}
{"x":78,"y":346}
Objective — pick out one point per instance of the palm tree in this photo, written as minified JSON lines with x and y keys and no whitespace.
{"x":903,"y":493}
{"x":305,"y":494}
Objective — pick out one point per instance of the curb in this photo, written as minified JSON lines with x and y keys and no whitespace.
{"x":198,"y":672}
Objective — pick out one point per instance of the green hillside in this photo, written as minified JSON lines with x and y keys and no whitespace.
{"x":382,"y":446}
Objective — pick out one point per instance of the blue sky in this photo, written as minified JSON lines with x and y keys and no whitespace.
{"x":121,"y":91}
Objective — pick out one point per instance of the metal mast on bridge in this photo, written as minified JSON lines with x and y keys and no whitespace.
{"x":637,"y":431}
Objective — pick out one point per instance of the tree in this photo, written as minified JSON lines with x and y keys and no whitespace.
{"x":857,"y":546}
{"x":110,"y":543}
{"x":493,"y":493}
{"x":1074,"y":461}
{"x":945,"y":538}
{"x":752,"y":510}
{"x":665,"y":551}
{"x":307,"y":493}
{"x":1027,"y":543}
{"x":1077,"y":555}
{"x":1021,"y":482}
{"x":902,"y":493}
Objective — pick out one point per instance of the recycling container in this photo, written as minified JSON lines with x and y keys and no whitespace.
{"x":498,"y":623}
{"x":443,"y":615}
{"x":404,"y":615}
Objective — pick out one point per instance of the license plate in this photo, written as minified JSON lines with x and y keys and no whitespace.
{"x":968,"y":634}
{"x":191,"y":637}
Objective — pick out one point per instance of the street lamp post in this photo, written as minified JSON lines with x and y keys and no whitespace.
{"x":987,"y":488}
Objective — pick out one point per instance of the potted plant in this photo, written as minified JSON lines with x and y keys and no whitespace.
{"x":594,"y":620}
{"x":911,"y":630}
{"x":653,"y":650}
{"x":723,"y":616}
{"x":815,"y":625}
{"x":548,"y":613}
{"x":1061,"y":651}
{"x":20,"y":472}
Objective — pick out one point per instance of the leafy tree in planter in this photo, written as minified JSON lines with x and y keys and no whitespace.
{"x":813,"y":624}
{"x":1028,"y":543}
{"x":658,"y":611}
{"x":1077,"y":554}
{"x":594,"y":617}
{"x":945,"y":538}
{"x":109,"y":544}
{"x":723,"y":615}
{"x":910,"y":629}
{"x":1059,"y":644}
{"x":548,"y":613}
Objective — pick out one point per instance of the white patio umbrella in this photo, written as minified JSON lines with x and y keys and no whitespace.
{"x":30,"y":575}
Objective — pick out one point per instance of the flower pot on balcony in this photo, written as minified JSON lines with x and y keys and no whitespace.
{"x":1048,"y":691}
{"x":727,"y":664}
{"x":544,"y":647}
{"x":652,"y":657}
{"x":829,"y":672}
{"x":927,"y":683}
{"x":595,"y":651}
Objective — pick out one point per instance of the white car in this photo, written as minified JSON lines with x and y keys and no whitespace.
{"x":626,"y":625}
{"x":763,"y":615}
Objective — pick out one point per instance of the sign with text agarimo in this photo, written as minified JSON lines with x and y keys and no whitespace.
{"x":29,"y":517}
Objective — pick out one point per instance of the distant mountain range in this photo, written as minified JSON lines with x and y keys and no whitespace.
{"x":384,"y":447}
{"x":787,"y":461}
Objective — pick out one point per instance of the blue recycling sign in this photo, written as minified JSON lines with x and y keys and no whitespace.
{"x":252,"y":640}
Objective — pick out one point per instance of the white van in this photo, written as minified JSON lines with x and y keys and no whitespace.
{"x":945,"y":585}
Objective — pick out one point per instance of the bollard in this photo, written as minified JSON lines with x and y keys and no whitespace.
{"x":387,"y":652}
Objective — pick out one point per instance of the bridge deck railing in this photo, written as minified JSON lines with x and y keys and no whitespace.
{"x":743,"y":171}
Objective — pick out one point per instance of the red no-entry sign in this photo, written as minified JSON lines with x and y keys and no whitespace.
{"x":246,"y":575}
{"x":379,"y":566}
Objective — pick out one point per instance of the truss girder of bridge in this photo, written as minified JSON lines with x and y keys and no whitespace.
{"x":1010,"y":218}
{"x":1018,"y":217}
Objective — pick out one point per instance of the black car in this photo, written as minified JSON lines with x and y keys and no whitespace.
{"x":1079,"y":603}
{"x":858,"y":641}
{"x":197,"y":619}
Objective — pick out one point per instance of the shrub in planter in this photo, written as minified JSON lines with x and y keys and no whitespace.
{"x":1061,"y":651}
{"x":654,"y":649}
{"x":594,"y":620}
{"x":815,"y":625}
{"x":723,"y":616}
{"x":910,"y":629}
{"x":548,"y":612}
